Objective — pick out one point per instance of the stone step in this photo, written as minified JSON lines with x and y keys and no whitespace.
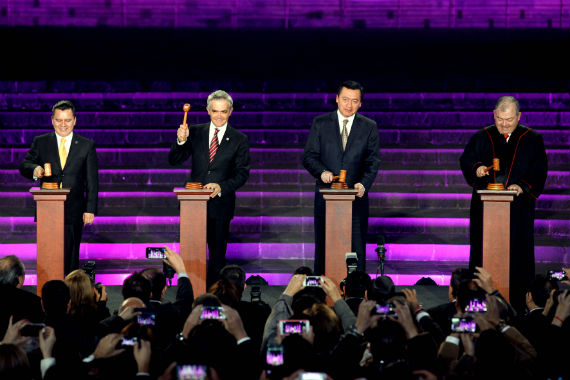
{"x":287,"y":179}
{"x":281,"y":158}
{"x":273,"y":137}
{"x":552,"y":232}
{"x":173,"y":101}
{"x":282,"y":119}
{"x":118,"y":203}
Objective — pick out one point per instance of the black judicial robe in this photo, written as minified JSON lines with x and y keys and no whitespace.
{"x":523,"y":162}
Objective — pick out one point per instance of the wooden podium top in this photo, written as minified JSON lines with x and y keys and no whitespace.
{"x":192,"y":194}
{"x":339,"y":194}
{"x":497,"y":195}
{"x":53,"y":194}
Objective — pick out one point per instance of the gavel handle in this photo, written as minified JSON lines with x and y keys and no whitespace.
{"x":488,"y":168}
{"x":185,"y":117}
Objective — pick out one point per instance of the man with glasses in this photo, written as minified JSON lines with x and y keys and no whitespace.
{"x":73,"y":165}
{"x":343,"y":140}
{"x":523,"y":168}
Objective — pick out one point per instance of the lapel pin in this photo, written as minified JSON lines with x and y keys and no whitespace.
{"x":227,"y":139}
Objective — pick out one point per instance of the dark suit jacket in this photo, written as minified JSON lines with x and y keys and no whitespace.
{"x":229,"y":169}
{"x":80,"y":172}
{"x":360,"y":159}
{"x":19,"y":303}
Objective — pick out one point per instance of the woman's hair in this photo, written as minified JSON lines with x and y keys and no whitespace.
{"x":14,"y":363}
{"x":326,"y":326}
{"x":81,"y":293}
{"x":226,"y":292}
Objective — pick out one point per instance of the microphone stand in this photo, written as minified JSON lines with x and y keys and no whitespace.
{"x":381,"y":252}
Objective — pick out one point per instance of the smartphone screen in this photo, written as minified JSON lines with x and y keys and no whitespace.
{"x":191,"y":372}
{"x":463,"y":325}
{"x":386,"y":309}
{"x":556,"y":275}
{"x":476,"y":305}
{"x":32,"y":329}
{"x":212,"y":312}
{"x":313,"y":281}
{"x":274,"y":356}
{"x":155,"y":253}
{"x":146,"y":318}
{"x":292,"y":326}
{"x":128,"y":342}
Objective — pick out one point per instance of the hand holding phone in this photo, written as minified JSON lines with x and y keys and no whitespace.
{"x":557,"y":275}
{"x":146,"y":317}
{"x":476,"y":305}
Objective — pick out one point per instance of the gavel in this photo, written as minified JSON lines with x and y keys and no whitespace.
{"x":341,"y":177}
{"x":186,"y":108}
{"x":495,"y":166}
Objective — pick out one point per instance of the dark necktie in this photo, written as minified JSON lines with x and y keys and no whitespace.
{"x":214,"y":145}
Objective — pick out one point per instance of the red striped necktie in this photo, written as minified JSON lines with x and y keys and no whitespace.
{"x":506,"y":136}
{"x":214,"y":145}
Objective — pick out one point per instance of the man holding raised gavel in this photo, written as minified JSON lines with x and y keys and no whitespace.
{"x":522,"y":167}
{"x":220,"y":161}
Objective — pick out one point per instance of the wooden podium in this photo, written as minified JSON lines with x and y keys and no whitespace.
{"x":193,"y":234}
{"x":497,"y":236}
{"x":338,"y":231}
{"x":50,"y":213}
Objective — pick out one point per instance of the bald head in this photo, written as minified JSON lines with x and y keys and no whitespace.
{"x":133,"y":302}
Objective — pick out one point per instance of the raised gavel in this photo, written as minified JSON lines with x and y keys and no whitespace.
{"x":186,"y":108}
{"x":341,"y":177}
{"x":495,"y":166}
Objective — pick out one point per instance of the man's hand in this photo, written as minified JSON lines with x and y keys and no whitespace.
{"x":214,"y":186}
{"x":141,"y":352}
{"x":365,"y":319}
{"x":13,"y":335}
{"x":129,"y":313}
{"x":563,"y":309}
{"x":233,"y":323}
{"x":412,"y":298}
{"x":405,"y":319}
{"x":331,"y":289}
{"x":484,"y":280}
{"x":88,"y":218}
{"x":47,"y":341}
{"x":192,"y":320}
{"x":480,"y":172}
{"x":515,"y":187}
{"x":182,"y":133}
{"x":327,"y":176}
{"x":107,"y":347}
{"x":360,"y":188}
{"x":38,"y":172}
{"x":174,"y":260}
{"x":100,"y":297}
{"x":295,"y":284}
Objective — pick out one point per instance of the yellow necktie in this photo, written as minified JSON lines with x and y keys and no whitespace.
{"x":62,"y":153}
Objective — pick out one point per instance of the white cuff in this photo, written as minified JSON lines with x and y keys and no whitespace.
{"x":243,"y":340}
{"x":452,"y":340}
{"x":421,"y":314}
{"x":46,"y":364}
{"x":181,"y":142}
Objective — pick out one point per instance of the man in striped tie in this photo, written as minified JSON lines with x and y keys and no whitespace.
{"x":220,"y":161}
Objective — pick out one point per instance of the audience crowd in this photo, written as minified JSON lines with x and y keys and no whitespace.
{"x":362,"y":328}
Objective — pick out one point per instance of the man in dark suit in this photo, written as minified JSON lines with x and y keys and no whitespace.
{"x":16,"y":302}
{"x":343,"y":140}
{"x":220,"y":161}
{"x":74,"y":165}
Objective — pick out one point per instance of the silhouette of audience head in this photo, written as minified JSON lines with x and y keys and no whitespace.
{"x":55,"y":298}
{"x":137,"y":285}
{"x":12,"y":271}
{"x":157,"y":281}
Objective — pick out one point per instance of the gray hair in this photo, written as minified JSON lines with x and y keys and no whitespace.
{"x":220,"y":95}
{"x":505,"y":101}
{"x":11,"y":269}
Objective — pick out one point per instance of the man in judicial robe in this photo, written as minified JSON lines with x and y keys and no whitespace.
{"x":523,"y":167}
